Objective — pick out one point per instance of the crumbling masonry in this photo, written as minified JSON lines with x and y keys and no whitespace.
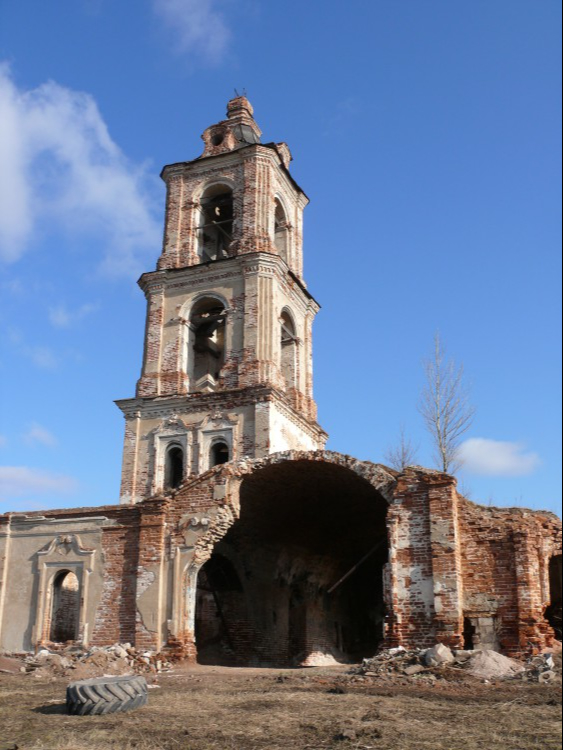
{"x":239,"y":539}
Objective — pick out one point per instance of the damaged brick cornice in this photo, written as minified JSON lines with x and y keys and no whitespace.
{"x":379,"y":476}
{"x":212,"y":272}
{"x":201,"y":164}
{"x":165,"y":406}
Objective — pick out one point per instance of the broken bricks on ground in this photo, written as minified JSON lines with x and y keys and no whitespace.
{"x":440,"y":662}
{"x":78,"y":663}
{"x":425,"y":665}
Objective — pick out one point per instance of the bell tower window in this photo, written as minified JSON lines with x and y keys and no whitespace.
{"x":215,"y":230}
{"x":288,"y":350}
{"x":207,"y":344}
{"x":220,"y":454}
{"x":174,"y":468}
{"x":281,"y":231}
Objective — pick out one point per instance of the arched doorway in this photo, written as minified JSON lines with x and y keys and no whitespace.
{"x":310,"y":546}
{"x":65,"y":607}
{"x":220,"y":613}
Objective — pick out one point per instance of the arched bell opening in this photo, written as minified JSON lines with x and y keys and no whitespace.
{"x":288,"y":350}
{"x":65,"y":607}
{"x":281,"y":231}
{"x":207,"y":344}
{"x":215,"y":228}
{"x":310,"y":546}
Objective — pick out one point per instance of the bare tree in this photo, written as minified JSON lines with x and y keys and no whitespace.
{"x":402,"y":453}
{"x":445,"y":406}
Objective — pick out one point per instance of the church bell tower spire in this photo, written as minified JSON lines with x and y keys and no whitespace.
{"x":227,"y":368}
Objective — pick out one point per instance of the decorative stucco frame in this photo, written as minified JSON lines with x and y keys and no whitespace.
{"x":219,"y":428}
{"x":172,"y":431}
{"x":64,"y":553}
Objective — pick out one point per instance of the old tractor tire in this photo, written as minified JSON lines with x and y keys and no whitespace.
{"x":106,"y":695}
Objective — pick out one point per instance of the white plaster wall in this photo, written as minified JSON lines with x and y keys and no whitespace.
{"x":149,"y":476}
{"x":27,"y":537}
{"x":286,"y":435}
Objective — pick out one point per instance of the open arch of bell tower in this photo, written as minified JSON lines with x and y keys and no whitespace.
{"x":227,"y":369}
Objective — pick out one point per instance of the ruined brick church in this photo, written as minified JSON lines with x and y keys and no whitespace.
{"x":239,"y":539}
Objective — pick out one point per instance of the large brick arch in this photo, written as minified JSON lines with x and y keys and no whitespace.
{"x":230,"y":476}
{"x":218,"y":495}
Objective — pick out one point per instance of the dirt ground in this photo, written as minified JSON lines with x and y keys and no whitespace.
{"x":211,"y":708}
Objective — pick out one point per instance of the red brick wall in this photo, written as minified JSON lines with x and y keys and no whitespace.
{"x":505,"y":557}
{"x":449,"y":559}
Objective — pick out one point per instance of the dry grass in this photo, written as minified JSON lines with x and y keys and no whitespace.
{"x":219,"y":709}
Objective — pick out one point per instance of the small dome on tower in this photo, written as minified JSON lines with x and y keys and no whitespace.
{"x":240,"y":129}
{"x":239,"y":105}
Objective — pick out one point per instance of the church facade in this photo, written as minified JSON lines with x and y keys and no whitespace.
{"x":239,"y":539}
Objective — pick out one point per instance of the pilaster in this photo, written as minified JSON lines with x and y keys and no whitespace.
{"x":446,"y":559}
{"x":149,"y":384}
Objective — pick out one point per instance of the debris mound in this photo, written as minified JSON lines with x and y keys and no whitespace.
{"x":396,"y":662}
{"x":490,"y":665}
{"x":80,"y":664}
{"x":545,"y":668}
{"x":440,"y":662}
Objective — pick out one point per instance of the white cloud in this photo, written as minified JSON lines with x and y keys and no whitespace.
{"x":21,"y":481}
{"x":59,"y":164}
{"x":497,"y":458}
{"x":39,"y":434}
{"x":200,"y":28}
{"x":42,"y":357}
{"x":13,"y":286}
{"x":61,"y":317}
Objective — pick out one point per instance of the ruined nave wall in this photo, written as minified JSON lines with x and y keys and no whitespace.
{"x":506,"y":554}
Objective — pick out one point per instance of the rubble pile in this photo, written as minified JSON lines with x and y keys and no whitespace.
{"x":79,"y":663}
{"x":440,"y":662}
{"x":396,"y":662}
{"x":545,"y":668}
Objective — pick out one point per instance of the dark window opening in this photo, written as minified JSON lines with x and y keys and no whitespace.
{"x":220,"y":454}
{"x":208,"y":322}
{"x":65,"y":608}
{"x":215,"y":229}
{"x":174,"y":471}
{"x":281,"y":231}
{"x":288,"y":351}
{"x":469,"y":631}
{"x":553,"y":613}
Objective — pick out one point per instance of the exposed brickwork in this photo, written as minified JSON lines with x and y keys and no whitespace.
{"x":447,"y":559}
{"x":63,"y":619}
{"x":287,"y":554}
{"x":506,"y":554}
{"x":254,"y":279}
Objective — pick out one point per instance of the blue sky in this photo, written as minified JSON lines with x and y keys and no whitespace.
{"x":427,"y":135}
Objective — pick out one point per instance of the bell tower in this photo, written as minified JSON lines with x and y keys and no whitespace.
{"x":228,"y":361}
